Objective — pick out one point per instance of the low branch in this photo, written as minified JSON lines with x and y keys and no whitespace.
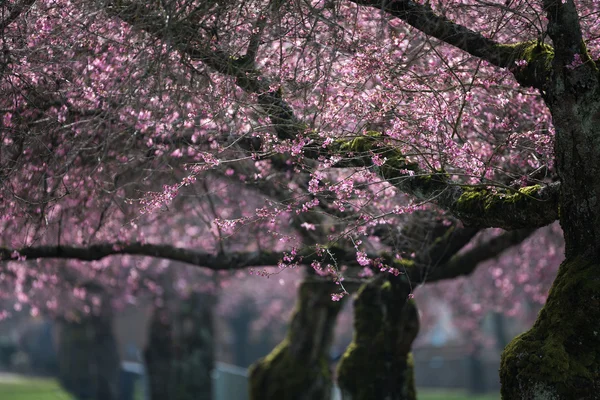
{"x":465,"y":264}
{"x":459,"y":265}
{"x":95,"y":252}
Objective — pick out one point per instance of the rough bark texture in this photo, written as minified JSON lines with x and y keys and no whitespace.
{"x":179,"y":356}
{"x":559,"y":358}
{"x":88,"y":358}
{"x":298,"y":368}
{"x":378,"y":363}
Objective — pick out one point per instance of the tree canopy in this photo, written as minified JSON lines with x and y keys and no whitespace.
{"x":246,"y":134}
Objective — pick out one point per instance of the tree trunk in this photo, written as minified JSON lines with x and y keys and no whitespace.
{"x":179,"y":356}
{"x":378,"y":362}
{"x":88,"y":358}
{"x":559,"y":357}
{"x":298,"y":368}
{"x":158,"y":354}
{"x":240,"y":326}
{"x":477,"y":383}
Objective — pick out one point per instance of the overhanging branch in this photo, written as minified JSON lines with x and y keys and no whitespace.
{"x":528,"y":207}
{"x":423,"y":18}
{"x":464,"y":264}
{"x":95,"y":252}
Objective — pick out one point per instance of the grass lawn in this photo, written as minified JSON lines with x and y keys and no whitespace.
{"x":428,"y":394}
{"x":48,"y":389}
{"x":31,"y":389}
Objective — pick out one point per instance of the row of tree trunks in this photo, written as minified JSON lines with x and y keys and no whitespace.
{"x":179,"y":355}
{"x":88,"y":357}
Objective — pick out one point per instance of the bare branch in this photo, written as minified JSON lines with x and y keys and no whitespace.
{"x":217,"y":262}
{"x":465,"y":264}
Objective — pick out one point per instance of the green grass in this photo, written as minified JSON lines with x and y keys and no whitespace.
{"x":32,"y":389}
{"x":48,"y":389}
{"x":450,"y":394}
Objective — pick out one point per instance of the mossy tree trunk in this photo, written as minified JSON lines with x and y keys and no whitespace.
{"x":179,"y":355}
{"x":298,"y":368}
{"x":559,"y":357}
{"x":378,"y":362}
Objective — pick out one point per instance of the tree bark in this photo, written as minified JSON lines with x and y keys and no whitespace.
{"x":298,"y":368}
{"x":559,"y":357}
{"x":378,"y":362}
{"x":179,"y":356}
{"x":88,"y":358}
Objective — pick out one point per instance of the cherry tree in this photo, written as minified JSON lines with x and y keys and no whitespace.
{"x":361,"y":110}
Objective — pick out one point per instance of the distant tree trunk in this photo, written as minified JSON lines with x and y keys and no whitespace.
{"x":88,"y":358}
{"x":378,"y":363}
{"x":477,"y":383}
{"x":298,"y":368}
{"x":179,"y":355}
{"x":500,"y":330}
{"x":158,"y":354}
{"x":240,"y":326}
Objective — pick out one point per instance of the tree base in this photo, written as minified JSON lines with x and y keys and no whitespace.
{"x":298,"y":368}
{"x":378,"y":364}
{"x":559,"y":358}
{"x":281,"y":376}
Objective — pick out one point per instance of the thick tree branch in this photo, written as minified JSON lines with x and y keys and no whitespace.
{"x":528,"y":207}
{"x":423,"y":18}
{"x":465,"y":264}
{"x":186,"y":38}
{"x":458,"y":265}
{"x":564,"y":30}
{"x":217,"y":262}
{"x":445,"y":247}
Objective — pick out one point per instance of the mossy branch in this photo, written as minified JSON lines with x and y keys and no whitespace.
{"x":528,"y":207}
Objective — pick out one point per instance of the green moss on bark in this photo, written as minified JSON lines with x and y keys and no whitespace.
{"x":298,"y":368}
{"x":362,"y":144}
{"x":495,"y":205}
{"x":559,"y":357}
{"x":280,"y":375}
{"x":538,"y":57}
